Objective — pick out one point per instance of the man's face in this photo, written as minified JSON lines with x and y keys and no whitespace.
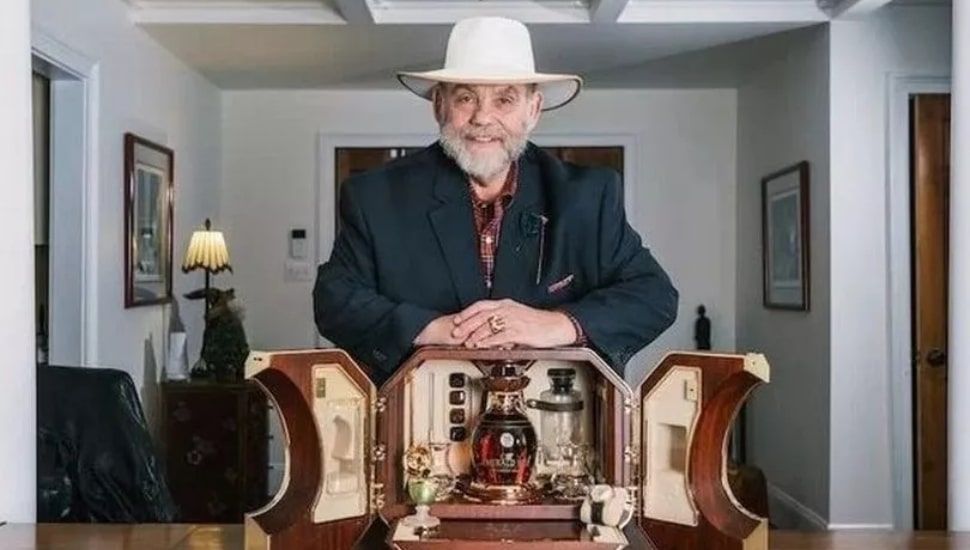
{"x":485,"y":128}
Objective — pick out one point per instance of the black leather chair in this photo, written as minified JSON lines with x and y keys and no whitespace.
{"x":96,"y":462}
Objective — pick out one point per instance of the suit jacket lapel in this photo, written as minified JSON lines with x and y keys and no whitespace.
{"x":516,"y":264}
{"x":454,"y":227}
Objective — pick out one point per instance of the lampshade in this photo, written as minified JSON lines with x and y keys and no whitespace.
{"x":207,"y":250}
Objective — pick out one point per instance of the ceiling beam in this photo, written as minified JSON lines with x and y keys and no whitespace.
{"x":355,"y":11}
{"x":606,"y":11}
{"x":723,"y":11}
{"x":843,"y":9}
{"x":437,"y":12}
{"x":246,"y":12}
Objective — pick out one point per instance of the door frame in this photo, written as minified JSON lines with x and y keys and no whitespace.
{"x":900,"y":311}
{"x":327,"y":145}
{"x":75,"y":84}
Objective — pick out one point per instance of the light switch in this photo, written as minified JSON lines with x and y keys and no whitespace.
{"x":298,"y":271}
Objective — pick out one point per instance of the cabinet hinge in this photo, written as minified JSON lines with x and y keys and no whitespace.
{"x":631,"y":455}
{"x":634,"y":492}
{"x":630,"y":406}
{"x":380,"y":405}
{"x":378,"y":452}
{"x":377,"y":496}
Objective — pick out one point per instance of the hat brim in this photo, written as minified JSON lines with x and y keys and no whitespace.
{"x":557,"y":89}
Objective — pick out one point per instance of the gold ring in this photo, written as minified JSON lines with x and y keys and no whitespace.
{"x":496,"y":323}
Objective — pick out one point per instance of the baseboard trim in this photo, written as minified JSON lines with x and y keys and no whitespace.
{"x":860,"y":527}
{"x":787,"y":512}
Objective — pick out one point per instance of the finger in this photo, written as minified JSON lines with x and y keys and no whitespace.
{"x":472,"y":323}
{"x":479,"y":306}
{"x":485,"y":331}
{"x":504,"y":339}
{"x":478,"y":334}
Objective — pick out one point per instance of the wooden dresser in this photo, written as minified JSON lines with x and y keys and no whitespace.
{"x":215,"y":448}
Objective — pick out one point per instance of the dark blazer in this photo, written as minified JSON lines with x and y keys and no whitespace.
{"x":407,"y":253}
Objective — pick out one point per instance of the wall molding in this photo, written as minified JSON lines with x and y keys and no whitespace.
{"x":899,"y":309}
{"x":67,"y":62}
{"x":860,"y":527}
{"x":47,"y":47}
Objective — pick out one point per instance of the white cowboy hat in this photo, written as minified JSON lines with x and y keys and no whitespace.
{"x":493,"y":50}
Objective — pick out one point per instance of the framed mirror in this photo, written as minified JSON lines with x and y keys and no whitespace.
{"x":149,"y":198}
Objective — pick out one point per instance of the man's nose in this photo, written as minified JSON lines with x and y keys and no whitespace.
{"x":482,"y":114}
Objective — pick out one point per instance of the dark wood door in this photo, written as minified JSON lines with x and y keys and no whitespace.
{"x":609,"y":157}
{"x":931,"y":182}
{"x":353,"y":160}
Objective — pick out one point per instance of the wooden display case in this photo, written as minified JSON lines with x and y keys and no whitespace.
{"x":665,"y":442}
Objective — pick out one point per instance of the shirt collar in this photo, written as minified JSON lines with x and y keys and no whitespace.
{"x":508,"y":189}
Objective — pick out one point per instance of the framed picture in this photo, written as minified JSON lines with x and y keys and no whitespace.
{"x":149,"y":198}
{"x":784,"y":237}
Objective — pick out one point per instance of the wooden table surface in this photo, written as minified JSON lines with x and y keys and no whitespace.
{"x":230,"y":537}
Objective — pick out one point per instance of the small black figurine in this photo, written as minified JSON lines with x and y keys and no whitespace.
{"x":702,"y":329}
{"x":224,"y":345}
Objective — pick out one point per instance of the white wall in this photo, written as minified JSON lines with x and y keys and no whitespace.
{"x":783,"y":119}
{"x":17,"y":392}
{"x":684,"y":191}
{"x":144,"y":89}
{"x":902,"y":39}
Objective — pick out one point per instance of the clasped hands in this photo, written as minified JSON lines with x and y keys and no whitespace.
{"x":499,"y":324}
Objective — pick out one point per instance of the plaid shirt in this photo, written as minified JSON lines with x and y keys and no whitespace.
{"x":488,"y":226}
{"x":488,"y":222}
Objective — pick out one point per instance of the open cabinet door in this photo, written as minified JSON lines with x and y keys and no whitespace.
{"x":324,"y":400}
{"x":687,"y":405}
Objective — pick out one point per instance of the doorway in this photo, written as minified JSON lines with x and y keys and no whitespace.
{"x":64,"y":95}
{"x":40,"y":100}
{"x":929,"y":192}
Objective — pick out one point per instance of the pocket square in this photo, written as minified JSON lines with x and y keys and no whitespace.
{"x":560,"y":284}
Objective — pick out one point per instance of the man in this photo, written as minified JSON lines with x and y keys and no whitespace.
{"x":482,"y":239}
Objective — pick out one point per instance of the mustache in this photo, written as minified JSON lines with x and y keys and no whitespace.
{"x":484,"y":134}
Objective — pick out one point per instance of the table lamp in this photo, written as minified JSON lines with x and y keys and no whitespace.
{"x":207,"y":251}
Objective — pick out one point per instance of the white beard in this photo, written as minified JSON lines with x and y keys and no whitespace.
{"x":486,"y":165}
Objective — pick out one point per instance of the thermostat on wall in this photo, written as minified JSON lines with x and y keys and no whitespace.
{"x":298,"y":244}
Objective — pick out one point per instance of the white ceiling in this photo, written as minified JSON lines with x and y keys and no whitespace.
{"x":252,"y":44}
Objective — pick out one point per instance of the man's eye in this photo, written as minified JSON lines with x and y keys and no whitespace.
{"x":464,"y":98}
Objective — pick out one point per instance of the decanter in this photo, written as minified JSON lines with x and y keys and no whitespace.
{"x":504,"y":441}
{"x":561,"y":436}
{"x":560,"y":412}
